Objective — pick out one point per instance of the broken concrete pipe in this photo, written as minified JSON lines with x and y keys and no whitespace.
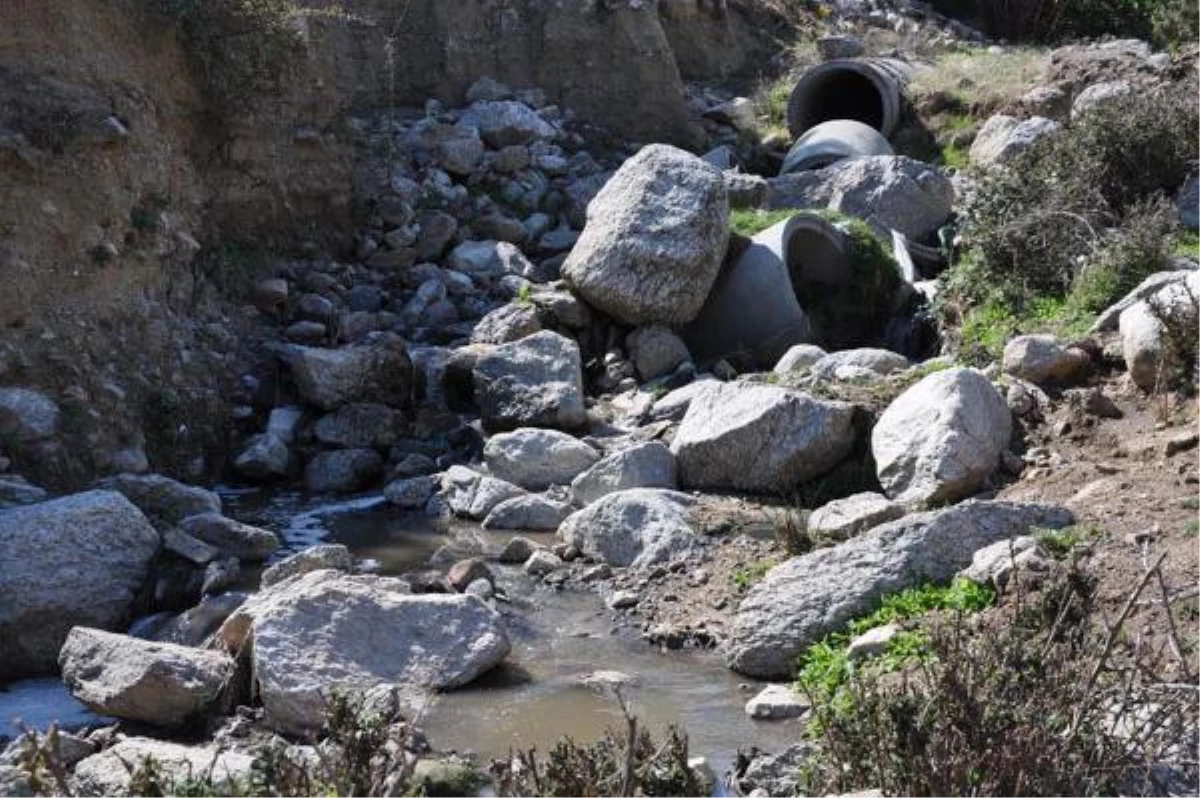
{"x":869,"y":90}
{"x":830,"y":142}
{"x":798,"y":281}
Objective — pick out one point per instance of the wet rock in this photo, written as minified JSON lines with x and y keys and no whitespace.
{"x":535,"y":382}
{"x":108,"y":772}
{"x":534,"y":513}
{"x":941,"y":438}
{"x":1042,"y":359}
{"x":464,"y":572}
{"x":654,"y":239}
{"x":643,"y":465}
{"x":776,"y":702}
{"x":315,"y":558}
{"x":798,"y":358}
{"x":633,"y":528}
{"x":264,"y":456}
{"x":1002,"y":138}
{"x":470,"y":494}
{"x":535,"y":459}
{"x":656,"y":351}
{"x":542,"y":562}
{"x":233,"y":538}
{"x":342,"y":471}
{"x":156,"y":683}
{"x":377,"y":369}
{"x":502,"y":123}
{"x":411,"y":494}
{"x":760,"y":438}
{"x":809,"y":596}
{"x":887,"y":191}
{"x":517,"y":550}
{"x":326,"y":630}
{"x":190,"y":548}
{"x":845,"y":518}
{"x":360,"y":425}
{"x":27,"y":416}
{"x":161,"y":498}
{"x":70,"y":561}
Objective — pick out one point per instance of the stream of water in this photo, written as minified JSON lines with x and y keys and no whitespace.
{"x":536,"y":697}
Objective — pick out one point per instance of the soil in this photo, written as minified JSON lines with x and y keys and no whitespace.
{"x":1132,"y":483}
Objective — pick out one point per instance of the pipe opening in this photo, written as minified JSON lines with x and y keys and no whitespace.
{"x":838,"y":94}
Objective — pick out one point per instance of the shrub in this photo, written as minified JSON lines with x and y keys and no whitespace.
{"x":1075,"y":222}
{"x":1046,"y":704}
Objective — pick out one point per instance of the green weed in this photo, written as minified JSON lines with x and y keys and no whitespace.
{"x":749,"y":221}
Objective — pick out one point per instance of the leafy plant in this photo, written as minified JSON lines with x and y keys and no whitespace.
{"x":743,"y":578}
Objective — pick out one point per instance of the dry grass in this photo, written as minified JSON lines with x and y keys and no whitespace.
{"x":980,"y":79}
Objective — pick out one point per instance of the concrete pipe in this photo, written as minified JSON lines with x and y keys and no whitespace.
{"x":830,"y":142}
{"x":803,"y":280}
{"x":870,"y":90}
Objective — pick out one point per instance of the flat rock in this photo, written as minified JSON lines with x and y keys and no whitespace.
{"x":315,"y":558}
{"x":852,"y":515}
{"x":163,"y":499}
{"x":807,"y":597}
{"x":324,"y":630}
{"x":157,"y":683}
{"x":231,"y":537}
{"x":776,"y":702}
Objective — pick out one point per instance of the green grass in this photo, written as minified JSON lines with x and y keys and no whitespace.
{"x":748,"y":221}
{"x":1061,"y":542}
{"x":825,"y":666}
{"x":1187,"y":244}
{"x":743,"y":578}
{"x":987,"y":327}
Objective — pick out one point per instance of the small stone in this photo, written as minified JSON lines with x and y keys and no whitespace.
{"x":776,"y":702}
{"x":464,"y":572}
{"x":517,"y":550}
{"x":623,"y":599}
{"x":873,"y":642}
{"x":542,"y":562}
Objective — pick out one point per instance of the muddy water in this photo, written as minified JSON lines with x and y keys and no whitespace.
{"x":558,"y":637}
{"x":536,"y":697}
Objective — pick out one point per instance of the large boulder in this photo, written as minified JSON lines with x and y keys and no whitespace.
{"x":940,"y":439}
{"x":109,"y":772}
{"x":654,"y":239}
{"x":634,"y":528}
{"x":342,"y":470}
{"x":534,"y":382}
{"x":1147,"y":327}
{"x":377,"y":369}
{"x":889,"y":191}
{"x":327,"y":630}
{"x":75,"y":560}
{"x":643,"y":465}
{"x":535,"y":459}
{"x":163,"y":499}
{"x":807,"y":597}
{"x":760,"y":438}
{"x":157,"y":683}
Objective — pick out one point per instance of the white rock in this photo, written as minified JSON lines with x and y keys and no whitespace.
{"x":941,"y":438}
{"x":1041,"y":359}
{"x":776,"y":702}
{"x":533,"y":513}
{"x":535,"y":459}
{"x":1002,"y":138}
{"x":542,"y":562}
{"x":852,"y":515}
{"x":157,"y":683}
{"x":760,"y":438}
{"x":108,"y":772}
{"x":872,"y":642}
{"x":643,"y":465}
{"x":325,"y":630}
{"x":799,"y":357}
{"x":472,"y":495}
{"x":633,"y":528}
{"x":314,"y":558}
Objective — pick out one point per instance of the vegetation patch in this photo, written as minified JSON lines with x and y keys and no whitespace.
{"x":750,"y":221}
{"x":826,"y":669}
